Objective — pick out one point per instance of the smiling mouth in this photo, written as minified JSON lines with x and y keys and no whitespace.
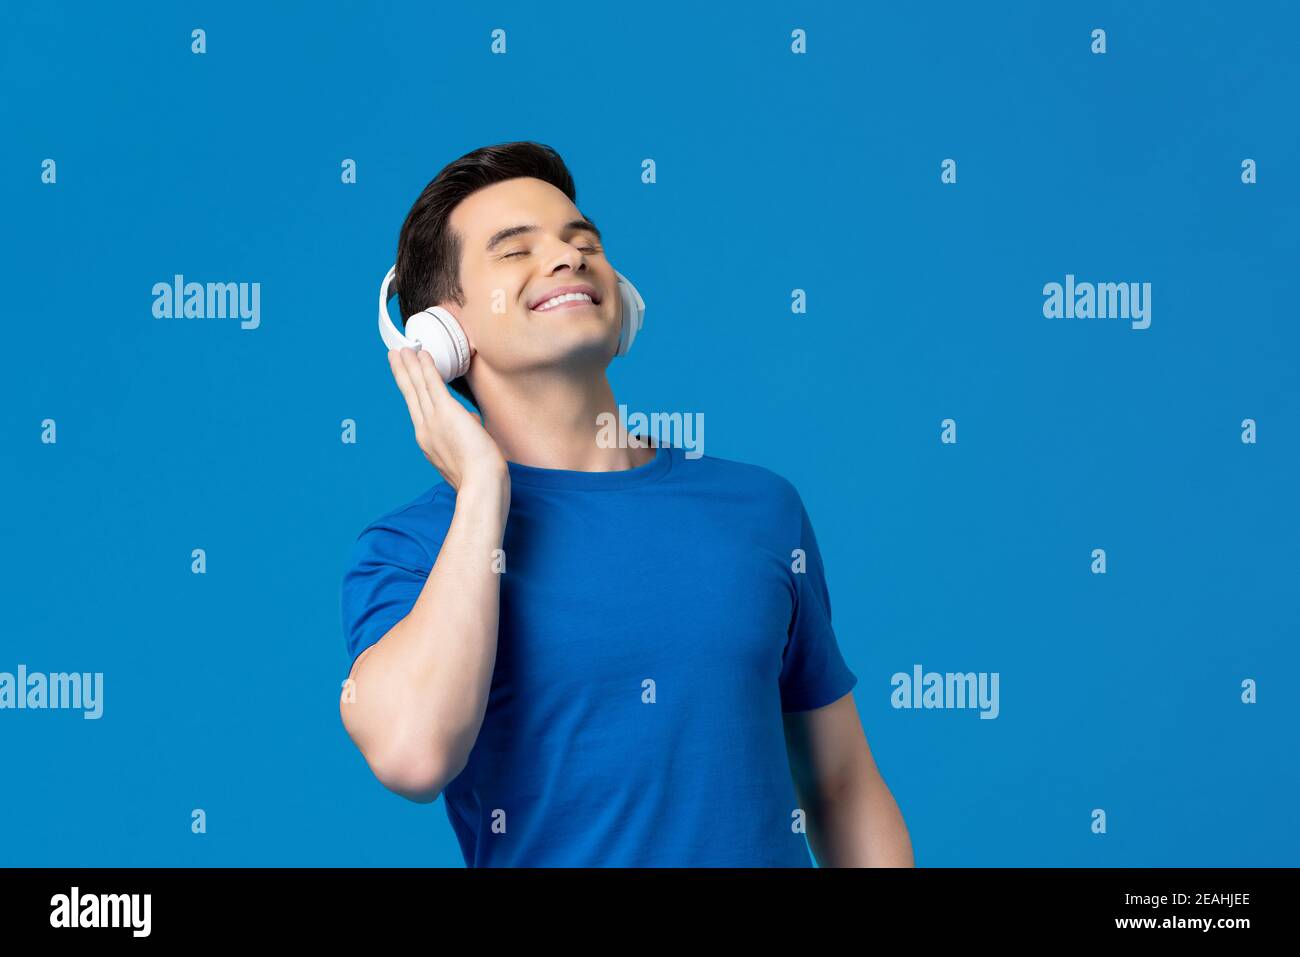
{"x":567,"y":301}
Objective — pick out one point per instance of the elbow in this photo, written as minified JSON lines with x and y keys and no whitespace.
{"x":417,"y":773}
{"x":415,"y":779}
{"x":418,"y":777}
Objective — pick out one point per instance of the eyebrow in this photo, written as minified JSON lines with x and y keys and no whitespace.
{"x":502,"y":235}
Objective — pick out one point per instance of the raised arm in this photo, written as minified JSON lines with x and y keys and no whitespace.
{"x":419,"y":694}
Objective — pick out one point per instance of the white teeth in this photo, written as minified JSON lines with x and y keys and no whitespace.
{"x":567,"y":297}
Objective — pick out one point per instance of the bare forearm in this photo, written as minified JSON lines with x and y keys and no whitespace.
{"x":860,"y":825}
{"x":421,"y":691}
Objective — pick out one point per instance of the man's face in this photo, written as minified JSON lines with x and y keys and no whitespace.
{"x":508,"y":276}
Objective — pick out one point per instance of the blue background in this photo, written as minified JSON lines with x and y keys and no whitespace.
{"x":775,"y":172}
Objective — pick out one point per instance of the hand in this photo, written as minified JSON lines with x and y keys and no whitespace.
{"x":450,"y":436}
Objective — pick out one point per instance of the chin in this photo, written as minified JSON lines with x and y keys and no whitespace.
{"x":595,"y":343}
{"x":576,"y":330}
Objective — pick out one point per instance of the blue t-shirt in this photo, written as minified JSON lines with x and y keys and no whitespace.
{"x":655,"y":623}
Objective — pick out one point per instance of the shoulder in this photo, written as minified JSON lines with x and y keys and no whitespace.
{"x":416,"y":527}
{"x":746,"y":478}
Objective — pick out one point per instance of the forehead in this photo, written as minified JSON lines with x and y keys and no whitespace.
{"x":509,"y":203}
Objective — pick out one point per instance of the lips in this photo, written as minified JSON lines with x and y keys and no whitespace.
{"x":561,"y":290}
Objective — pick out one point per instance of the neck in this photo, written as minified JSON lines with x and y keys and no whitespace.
{"x":552,"y":422}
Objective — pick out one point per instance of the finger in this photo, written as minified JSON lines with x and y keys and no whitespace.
{"x":437,"y":388}
{"x":411,"y":359}
{"x":408,"y":388}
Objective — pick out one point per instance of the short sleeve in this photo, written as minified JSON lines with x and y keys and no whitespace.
{"x":386,"y":571}
{"x":813,"y":671}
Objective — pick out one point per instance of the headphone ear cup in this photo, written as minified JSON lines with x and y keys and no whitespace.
{"x":633,"y":317}
{"x":437,"y":332}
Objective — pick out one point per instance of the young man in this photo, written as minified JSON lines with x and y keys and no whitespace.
{"x":600,"y":654}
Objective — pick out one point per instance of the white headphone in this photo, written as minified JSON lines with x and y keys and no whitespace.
{"x":438,"y":333}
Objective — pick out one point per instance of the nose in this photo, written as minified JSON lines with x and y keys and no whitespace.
{"x":569,"y":255}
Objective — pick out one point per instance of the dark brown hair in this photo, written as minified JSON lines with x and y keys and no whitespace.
{"x":429,"y":251}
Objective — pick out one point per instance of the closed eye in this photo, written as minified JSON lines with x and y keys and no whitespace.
{"x":524,"y":252}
